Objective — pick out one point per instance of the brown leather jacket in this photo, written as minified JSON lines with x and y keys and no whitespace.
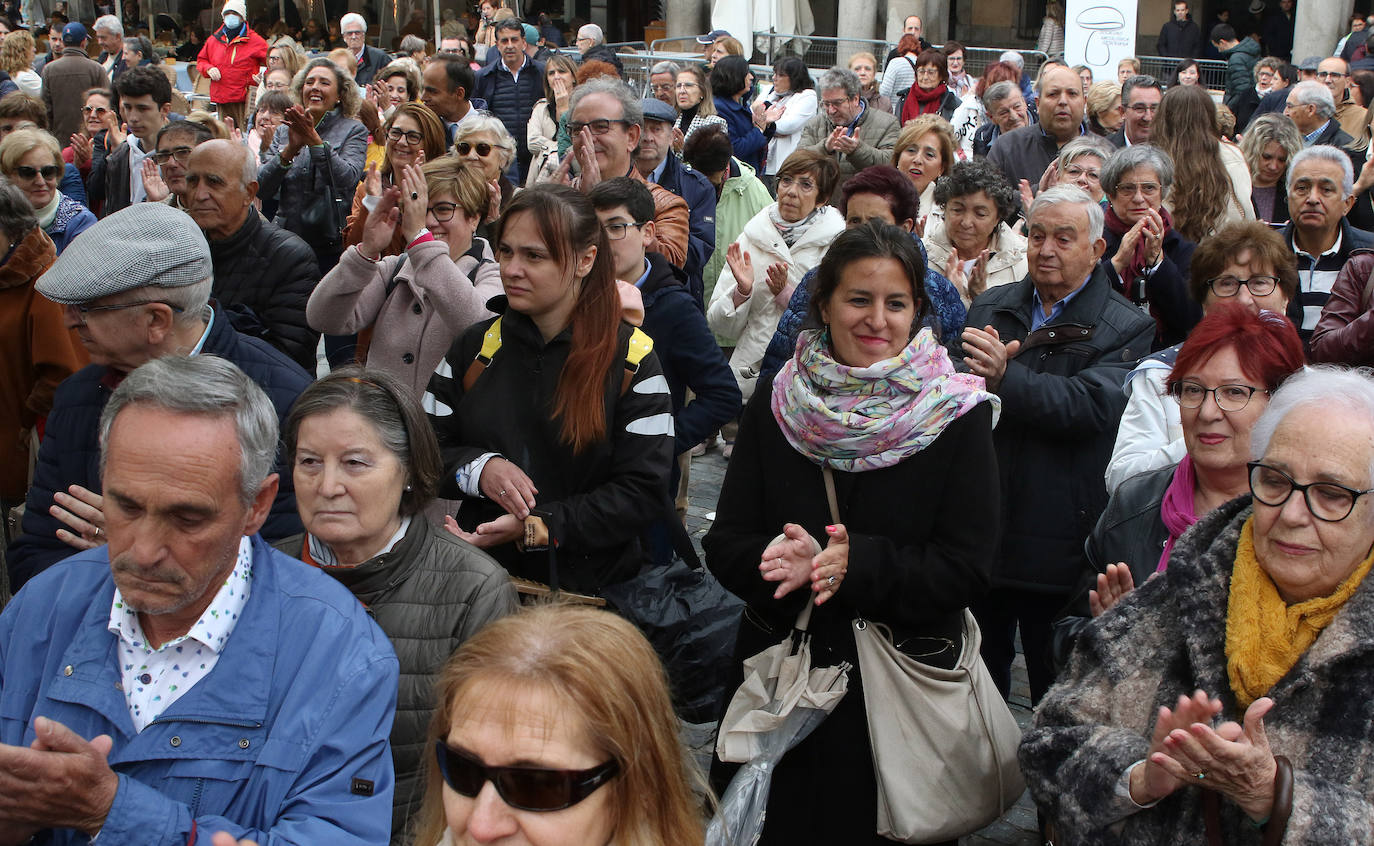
{"x":1345,"y":332}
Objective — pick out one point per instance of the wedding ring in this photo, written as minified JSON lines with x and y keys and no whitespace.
{"x":830,"y":581}
{"x":98,"y":532}
{"x":1199,"y":775}
{"x":414,"y":195}
{"x":501,"y":493}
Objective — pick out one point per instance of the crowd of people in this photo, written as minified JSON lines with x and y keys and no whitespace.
{"x":315,"y":397}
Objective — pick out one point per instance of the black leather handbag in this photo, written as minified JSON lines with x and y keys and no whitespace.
{"x":322,"y":221}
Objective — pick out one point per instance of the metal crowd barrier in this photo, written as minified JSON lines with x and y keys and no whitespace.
{"x":977,"y":58}
{"x":1211,"y":72}
{"x":819,"y":52}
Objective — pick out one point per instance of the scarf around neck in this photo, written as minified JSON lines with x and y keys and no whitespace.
{"x":791,"y":232}
{"x":864,"y":418}
{"x":1176,"y":511}
{"x":1266,"y":636}
{"x":1138,"y":264}
{"x":929,"y":100}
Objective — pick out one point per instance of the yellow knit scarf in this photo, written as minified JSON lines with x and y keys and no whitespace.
{"x":1265,"y":636}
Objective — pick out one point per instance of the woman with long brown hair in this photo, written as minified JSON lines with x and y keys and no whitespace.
{"x":1211,"y":179}
{"x":554,"y":420}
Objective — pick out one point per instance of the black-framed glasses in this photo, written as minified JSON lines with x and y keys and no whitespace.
{"x":524,"y":788}
{"x":598,"y":127}
{"x":48,"y":172}
{"x":443,"y":212}
{"x":616,"y":231}
{"x":1229,"y":286}
{"x":1331,"y":75}
{"x":84,"y":309}
{"x":411,"y":138}
{"x":1328,"y":501}
{"x":483,"y":148}
{"x":1192,"y":394}
{"x":181,"y":154}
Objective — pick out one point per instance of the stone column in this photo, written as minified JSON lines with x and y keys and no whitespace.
{"x":1319,"y":25}
{"x":685,"y":17}
{"x":856,"y":19}
{"x":897,"y":12}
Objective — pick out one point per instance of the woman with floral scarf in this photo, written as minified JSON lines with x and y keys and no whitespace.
{"x":872,"y":399}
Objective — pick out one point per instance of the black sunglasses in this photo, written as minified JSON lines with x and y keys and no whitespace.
{"x":523,"y":788}
{"x":483,"y":148}
{"x":47,"y":171}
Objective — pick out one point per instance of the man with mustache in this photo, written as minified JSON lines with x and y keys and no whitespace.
{"x":138,"y":290}
{"x":187,"y":678}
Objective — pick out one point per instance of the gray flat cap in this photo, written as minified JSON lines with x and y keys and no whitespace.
{"x":655,"y":109}
{"x":147,"y":244}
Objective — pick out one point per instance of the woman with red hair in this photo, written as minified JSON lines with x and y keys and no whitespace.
{"x":1222,"y":379}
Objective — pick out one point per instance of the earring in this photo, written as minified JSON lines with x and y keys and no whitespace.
{"x":408,"y":489}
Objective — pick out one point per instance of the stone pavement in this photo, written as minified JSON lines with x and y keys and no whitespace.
{"x":1017,"y":826}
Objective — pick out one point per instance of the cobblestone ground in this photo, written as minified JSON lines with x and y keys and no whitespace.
{"x":1017,"y":826}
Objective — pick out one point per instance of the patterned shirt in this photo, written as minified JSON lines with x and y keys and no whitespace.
{"x":155,"y":678}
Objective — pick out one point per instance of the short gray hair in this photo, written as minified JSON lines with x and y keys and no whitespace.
{"x":480,"y":121}
{"x":1312,"y":93}
{"x":210,"y":386}
{"x":999,"y":91}
{"x":842,"y":78}
{"x":631,"y":109}
{"x":666,"y":67}
{"x":1085,"y":145}
{"x":1326,"y":153}
{"x":192,"y":299}
{"x":1073,"y":195}
{"x":110,"y":24}
{"x":1013,"y":57}
{"x":1126,"y":159}
{"x":1323,"y":385}
{"x":411,"y":44}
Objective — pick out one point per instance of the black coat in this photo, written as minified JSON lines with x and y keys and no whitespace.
{"x":374,"y":59}
{"x":1182,"y":40}
{"x":700,"y":195}
{"x":70,"y":453}
{"x":922,"y":535}
{"x":270,"y":271}
{"x":596,"y":503}
{"x":1166,"y":290}
{"x":1061,"y":403}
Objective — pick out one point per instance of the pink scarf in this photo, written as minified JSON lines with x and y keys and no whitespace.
{"x":1176,"y":511}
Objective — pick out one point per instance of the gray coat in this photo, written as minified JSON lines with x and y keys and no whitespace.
{"x":346,"y":153}
{"x":1167,"y":638}
{"x":430,"y":593}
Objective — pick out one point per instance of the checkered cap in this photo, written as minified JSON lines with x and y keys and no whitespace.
{"x":146,"y":244}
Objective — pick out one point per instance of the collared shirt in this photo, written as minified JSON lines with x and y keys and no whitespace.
{"x":657,"y":173}
{"x":209,"y":321}
{"x":154,"y":678}
{"x":1316,"y":276}
{"x":137,"y":194}
{"x":1311,"y":138}
{"x":644,"y":277}
{"x":515,"y":74}
{"x":1038,"y":316}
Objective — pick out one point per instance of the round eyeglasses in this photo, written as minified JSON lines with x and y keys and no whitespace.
{"x":1328,"y":501}
{"x":1190,"y":394}
{"x":1229,"y":286}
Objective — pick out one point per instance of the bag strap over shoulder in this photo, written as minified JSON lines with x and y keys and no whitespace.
{"x":830,"y":495}
{"x":491,"y":342}
{"x":639,"y":348}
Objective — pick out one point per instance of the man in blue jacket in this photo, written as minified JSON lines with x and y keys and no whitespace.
{"x":656,"y":163}
{"x":138,"y":289}
{"x":511,"y":87}
{"x":188,"y":679}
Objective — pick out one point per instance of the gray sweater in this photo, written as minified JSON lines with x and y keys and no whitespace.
{"x":346,"y":152}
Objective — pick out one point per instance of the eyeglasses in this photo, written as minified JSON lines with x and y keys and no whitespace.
{"x":1129,"y":189}
{"x":835,"y":104}
{"x":802,"y":184}
{"x":1229,"y":286}
{"x":1331,"y":75}
{"x":353,"y":33}
{"x":616,"y":231}
{"x":1328,"y":501}
{"x":443,"y":212}
{"x":687,"y":86}
{"x":1190,"y":394}
{"x":94,"y":110}
{"x":84,"y":309}
{"x":181,"y":154}
{"x":411,"y":138}
{"x":662,"y":87}
{"x":1074,"y":171}
{"x":523,"y":788}
{"x":483,"y":148}
{"x":599,"y":127}
{"x":48,"y":172}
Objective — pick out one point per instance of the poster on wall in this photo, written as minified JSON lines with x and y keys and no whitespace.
{"x":1099,"y":34}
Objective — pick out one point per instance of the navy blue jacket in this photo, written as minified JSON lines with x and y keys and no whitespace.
{"x":749,"y":142}
{"x":511,"y":100}
{"x":689,"y":356}
{"x":700,"y":195}
{"x":70,"y":452}
{"x":374,"y":59}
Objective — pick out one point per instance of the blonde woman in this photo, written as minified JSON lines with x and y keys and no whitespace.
{"x":16,"y":59}
{"x":865,"y":67}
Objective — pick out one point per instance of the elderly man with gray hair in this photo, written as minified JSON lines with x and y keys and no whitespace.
{"x":137,"y":289}
{"x":1055,"y":347}
{"x":353,"y":27}
{"x":109,"y":34}
{"x":847,"y":129}
{"x":1313,"y":109}
{"x":663,"y":82}
{"x":263,"y":274}
{"x":187,"y":679}
{"x":1320,"y":187}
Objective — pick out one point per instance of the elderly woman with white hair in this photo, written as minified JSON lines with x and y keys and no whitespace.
{"x":1228,"y":698}
{"x":483,"y":140}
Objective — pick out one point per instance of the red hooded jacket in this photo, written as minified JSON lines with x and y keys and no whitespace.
{"x":237,"y":59}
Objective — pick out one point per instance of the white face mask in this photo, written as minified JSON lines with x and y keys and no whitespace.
{"x":232,"y":21}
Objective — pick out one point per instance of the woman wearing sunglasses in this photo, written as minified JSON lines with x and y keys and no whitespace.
{"x":81,"y":146}
{"x":414,"y":302}
{"x":554,"y":728}
{"x":482,"y":139}
{"x":31,"y":159}
{"x":412,"y":135}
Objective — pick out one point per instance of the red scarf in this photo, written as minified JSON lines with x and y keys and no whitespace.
{"x":919,"y":101}
{"x":1176,"y":511}
{"x":1119,"y":227}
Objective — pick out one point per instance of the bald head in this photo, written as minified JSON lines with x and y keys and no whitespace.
{"x":221,"y":182}
{"x":1061,"y":103}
